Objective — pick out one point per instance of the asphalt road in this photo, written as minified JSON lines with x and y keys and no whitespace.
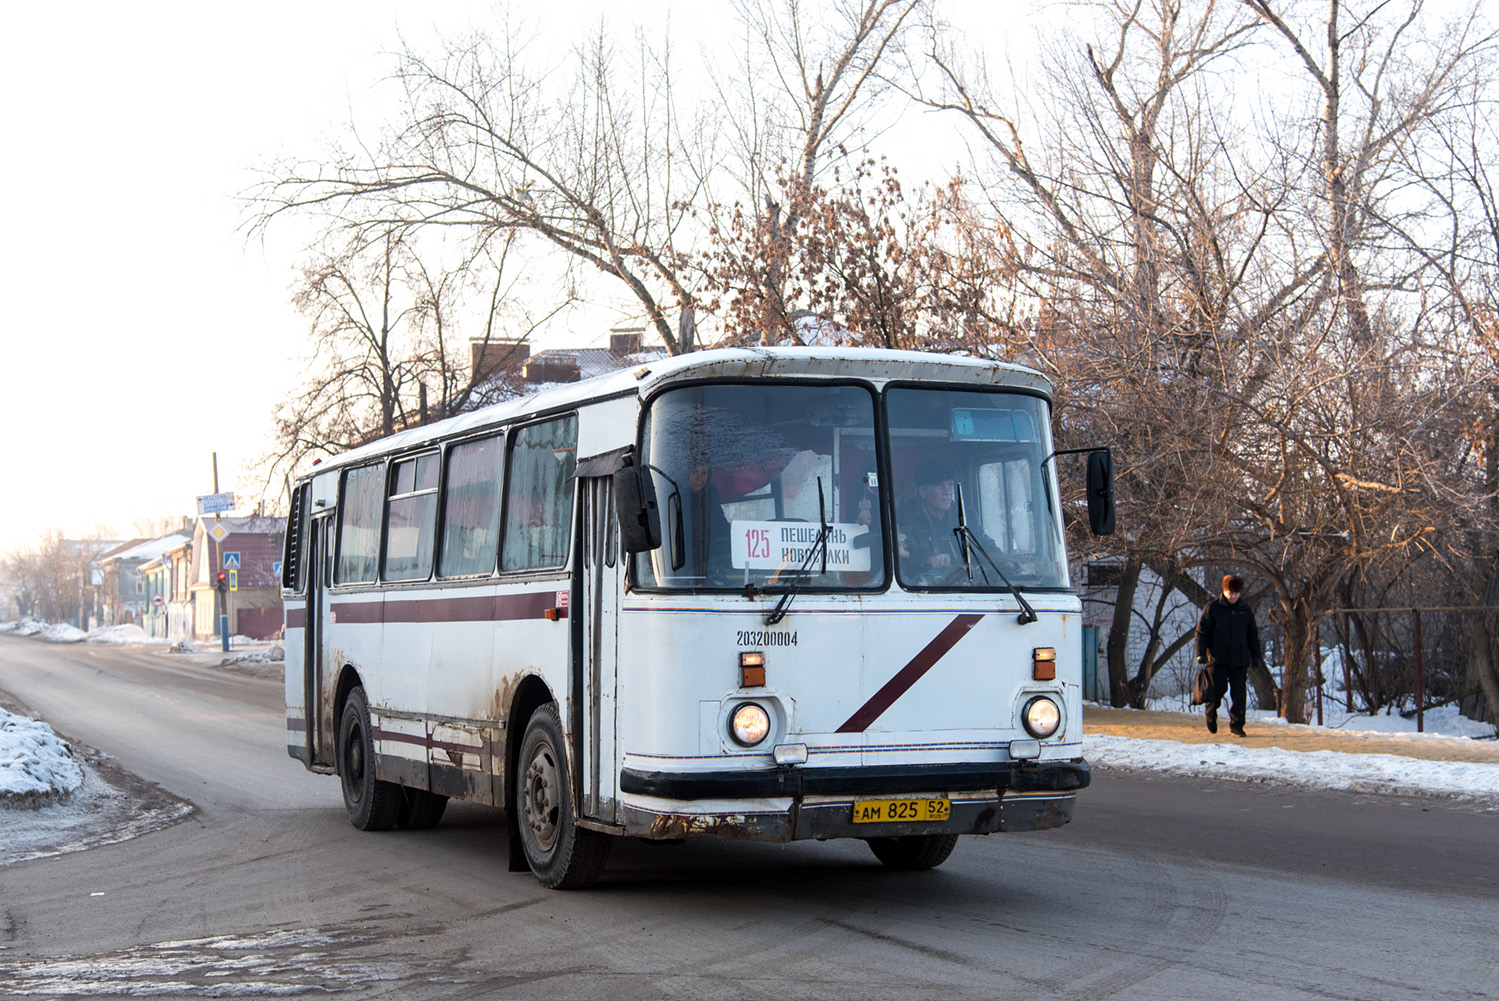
{"x":1160,"y":888}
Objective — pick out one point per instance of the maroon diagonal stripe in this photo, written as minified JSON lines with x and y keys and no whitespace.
{"x":910,"y":674}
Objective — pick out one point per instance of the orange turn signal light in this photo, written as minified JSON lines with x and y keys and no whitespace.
{"x":1044,"y":664}
{"x":752,"y":669}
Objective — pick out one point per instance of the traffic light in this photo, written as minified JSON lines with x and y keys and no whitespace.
{"x":222,"y":583}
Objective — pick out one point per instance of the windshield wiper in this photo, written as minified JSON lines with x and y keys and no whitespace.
{"x":966,"y":538}
{"x":819,"y":547}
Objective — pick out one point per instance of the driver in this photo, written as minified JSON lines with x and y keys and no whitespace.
{"x":927,"y":521}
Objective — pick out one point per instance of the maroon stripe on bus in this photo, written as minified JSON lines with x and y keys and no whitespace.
{"x":420,"y":739}
{"x":910,"y":674}
{"x":426,"y":740}
{"x":485,"y":608}
{"x":296,"y":618}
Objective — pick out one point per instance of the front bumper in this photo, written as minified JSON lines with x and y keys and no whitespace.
{"x":796,"y":803}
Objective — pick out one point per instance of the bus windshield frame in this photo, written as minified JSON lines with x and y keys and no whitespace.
{"x":767,"y":485}
{"x":976,"y":501}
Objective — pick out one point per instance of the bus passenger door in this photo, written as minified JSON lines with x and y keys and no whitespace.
{"x":602,"y":567}
{"x":319,"y":710}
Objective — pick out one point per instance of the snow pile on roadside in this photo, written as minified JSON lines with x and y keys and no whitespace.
{"x":183,"y":646}
{"x":36,"y":767}
{"x":25,"y":627}
{"x":55,"y":633}
{"x":1369,"y":773}
{"x":131,"y":635}
{"x":275,"y":655}
{"x":61,"y":632}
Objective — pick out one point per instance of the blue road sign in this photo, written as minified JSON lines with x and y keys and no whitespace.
{"x":231,"y":561}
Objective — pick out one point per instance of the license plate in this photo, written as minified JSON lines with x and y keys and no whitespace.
{"x":885,"y":811}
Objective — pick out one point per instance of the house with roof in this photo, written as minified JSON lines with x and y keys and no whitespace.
{"x":169,"y":612}
{"x":250,"y":548}
{"x":523,"y":371}
{"x":105,"y":583}
{"x":124,"y":595}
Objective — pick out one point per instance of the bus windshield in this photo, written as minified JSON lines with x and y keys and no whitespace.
{"x":770,"y":485}
{"x":973,"y":460}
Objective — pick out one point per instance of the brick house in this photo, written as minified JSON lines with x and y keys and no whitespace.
{"x":254,"y":609}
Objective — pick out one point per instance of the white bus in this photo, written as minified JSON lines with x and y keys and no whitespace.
{"x":774,"y":594}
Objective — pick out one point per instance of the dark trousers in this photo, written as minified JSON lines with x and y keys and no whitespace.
{"x":1230,"y":680}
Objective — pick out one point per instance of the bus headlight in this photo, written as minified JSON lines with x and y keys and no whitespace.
{"x":1041,"y":717}
{"x":749,"y":724}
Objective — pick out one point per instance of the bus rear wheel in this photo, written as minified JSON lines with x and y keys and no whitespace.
{"x":562,"y":855}
{"x":915,"y":851}
{"x":420,"y":810}
{"x":372,"y":804}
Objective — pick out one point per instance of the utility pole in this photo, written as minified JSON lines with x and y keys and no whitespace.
{"x":220,"y":597}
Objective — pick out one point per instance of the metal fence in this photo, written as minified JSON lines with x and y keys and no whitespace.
{"x":1386,"y":654}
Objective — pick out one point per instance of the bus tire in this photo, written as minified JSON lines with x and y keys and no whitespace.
{"x":915,"y":851}
{"x":562,"y":855}
{"x":372,"y":804}
{"x":420,"y":810}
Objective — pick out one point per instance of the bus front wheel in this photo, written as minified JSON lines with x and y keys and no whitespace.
{"x":372,"y":804}
{"x":916,"y":851}
{"x":562,"y":855}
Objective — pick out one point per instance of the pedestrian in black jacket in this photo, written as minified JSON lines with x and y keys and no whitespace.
{"x":1228,"y":641}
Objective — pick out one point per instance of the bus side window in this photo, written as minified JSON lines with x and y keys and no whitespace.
{"x":539,"y":495}
{"x":410,"y":520}
{"x":359,"y":524}
{"x":471,"y":509}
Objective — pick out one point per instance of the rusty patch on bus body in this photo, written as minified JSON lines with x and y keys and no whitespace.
{"x":504,"y":696}
{"x":675,"y":825}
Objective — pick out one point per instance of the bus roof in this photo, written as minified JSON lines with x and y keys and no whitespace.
{"x":874,"y":365}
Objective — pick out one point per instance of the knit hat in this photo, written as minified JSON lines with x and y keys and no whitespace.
{"x":933,"y":470}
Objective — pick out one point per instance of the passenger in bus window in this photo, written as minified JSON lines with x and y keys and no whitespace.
{"x":706,"y":530}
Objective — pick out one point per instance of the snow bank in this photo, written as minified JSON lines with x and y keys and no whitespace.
{"x":1371,"y":773}
{"x":124,"y":635}
{"x":56,"y":633}
{"x":61,"y":632}
{"x":36,"y":767}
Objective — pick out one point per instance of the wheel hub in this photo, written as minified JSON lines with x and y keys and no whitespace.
{"x":542,"y":799}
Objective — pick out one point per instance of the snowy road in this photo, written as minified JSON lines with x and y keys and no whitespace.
{"x":1161,"y":888}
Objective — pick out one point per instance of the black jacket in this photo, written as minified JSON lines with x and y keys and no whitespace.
{"x":1227,"y":635}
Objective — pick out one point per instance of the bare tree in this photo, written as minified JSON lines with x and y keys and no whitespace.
{"x":386,"y":355}
{"x":1258,"y":376}
{"x":593,"y":168}
{"x":52,"y":580}
{"x":870,"y":263}
{"x":815,"y":85}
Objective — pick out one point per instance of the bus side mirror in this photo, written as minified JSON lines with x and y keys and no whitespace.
{"x":1101,"y":493}
{"x":635,"y":507}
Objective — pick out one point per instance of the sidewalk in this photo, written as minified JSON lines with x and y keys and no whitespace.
{"x":1190,"y":729}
